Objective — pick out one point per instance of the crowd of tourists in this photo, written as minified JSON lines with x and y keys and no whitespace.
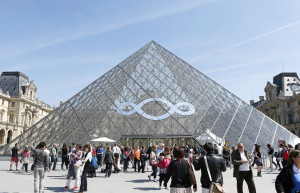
{"x":177,"y":163}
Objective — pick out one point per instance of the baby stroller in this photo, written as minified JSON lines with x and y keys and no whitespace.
{"x":93,"y":167}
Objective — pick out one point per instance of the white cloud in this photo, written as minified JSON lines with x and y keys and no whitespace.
{"x":247,"y":41}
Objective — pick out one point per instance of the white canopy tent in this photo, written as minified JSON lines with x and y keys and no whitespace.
{"x":209,"y":137}
{"x":104,"y":139}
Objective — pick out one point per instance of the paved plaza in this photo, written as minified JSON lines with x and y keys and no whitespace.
{"x":130,"y":182}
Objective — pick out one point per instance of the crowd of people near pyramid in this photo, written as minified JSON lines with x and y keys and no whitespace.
{"x":177,"y":163}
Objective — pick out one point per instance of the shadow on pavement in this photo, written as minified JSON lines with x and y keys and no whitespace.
{"x":146,"y":189}
{"x":139,"y":181}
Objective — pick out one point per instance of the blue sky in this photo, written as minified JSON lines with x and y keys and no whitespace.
{"x":65,"y":45}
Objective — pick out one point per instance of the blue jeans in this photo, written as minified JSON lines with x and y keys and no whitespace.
{"x":53,"y":161}
{"x":154,"y":168}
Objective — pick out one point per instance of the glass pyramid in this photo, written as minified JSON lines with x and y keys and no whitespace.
{"x":153,"y":94}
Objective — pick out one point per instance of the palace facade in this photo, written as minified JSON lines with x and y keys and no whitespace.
{"x":19,"y":107}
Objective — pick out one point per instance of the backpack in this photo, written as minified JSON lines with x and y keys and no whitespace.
{"x":94,"y":162}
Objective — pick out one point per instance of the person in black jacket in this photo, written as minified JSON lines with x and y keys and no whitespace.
{"x":179,"y":170}
{"x":288,"y":180}
{"x":216,"y":166}
{"x":109,"y":160}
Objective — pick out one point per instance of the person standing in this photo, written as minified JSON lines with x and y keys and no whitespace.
{"x":288,"y":180}
{"x":40,"y":163}
{"x":14,"y":156}
{"x":64,"y":156}
{"x":71,"y":171}
{"x":271,"y":155}
{"x":216,"y":167}
{"x":100,"y":155}
{"x":137,"y":158}
{"x":25,"y":159}
{"x":53,"y":153}
{"x":143,"y":159}
{"x":116,"y":152}
{"x":126,"y":159}
{"x":220,"y":150}
{"x":163,"y":164}
{"x":242,"y":169}
{"x":178,"y":169}
{"x":87,"y":163}
{"x":109,"y":160}
{"x":226,"y":156}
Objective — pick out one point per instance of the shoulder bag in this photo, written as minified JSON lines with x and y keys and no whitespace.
{"x":213,"y":187}
{"x":192,"y":178}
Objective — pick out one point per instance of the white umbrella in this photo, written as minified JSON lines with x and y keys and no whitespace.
{"x":104,"y":139}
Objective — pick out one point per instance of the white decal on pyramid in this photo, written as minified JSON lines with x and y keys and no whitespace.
{"x":138,"y":108}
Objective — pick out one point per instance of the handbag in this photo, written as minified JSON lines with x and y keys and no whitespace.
{"x":192,"y":178}
{"x":78,"y":164}
{"x":213,"y":187}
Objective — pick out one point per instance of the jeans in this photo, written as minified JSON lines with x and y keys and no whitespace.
{"x":64,"y":160}
{"x":126,"y":163}
{"x":154,"y":168}
{"x":83,"y":185}
{"x":138,"y":162}
{"x":161,"y":178}
{"x":25,"y":166}
{"x":39,"y":174}
{"x":53,"y":161}
{"x":100,"y":160}
{"x":143,"y":163}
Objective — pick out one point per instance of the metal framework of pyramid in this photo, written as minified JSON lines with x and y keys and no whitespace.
{"x":154,"y":94}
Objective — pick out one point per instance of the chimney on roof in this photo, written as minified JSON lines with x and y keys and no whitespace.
{"x":261,"y":98}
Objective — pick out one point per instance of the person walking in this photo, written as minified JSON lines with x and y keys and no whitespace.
{"x":258,"y":160}
{"x":271,"y":155}
{"x":77,"y":158}
{"x":163,"y":165}
{"x":137,"y":158}
{"x":14,"y":156}
{"x":288,"y":180}
{"x":215,"y":165}
{"x":71,"y":171}
{"x":40,"y":163}
{"x":126,"y":159}
{"x":179,"y":171}
{"x":226,"y":156}
{"x":87,"y":163}
{"x":285,"y":155}
{"x":116,"y":152}
{"x":242,"y":169}
{"x":220,"y":150}
{"x":153,"y":162}
{"x":64,"y":156}
{"x":25,"y":159}
{"x":109,"y":160}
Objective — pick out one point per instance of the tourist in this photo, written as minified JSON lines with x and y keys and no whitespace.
{"x":178,"y":169}
{"x":53,"y":152}
{"x":116,"y":152}
{"x":153,"y":162}
{"x":40,"y":163}
{"x":109,"y":160}
{"x":271,"y":155}
{"x":71,"y":172}
{"x":86,"y":159}
{"x":14,"y":156}
{"x":285,"y":155}
{"x":242,"y":168}
{"x":137,"y":158}
{"x":143,"y":158}
{"x":258,"y":160}
{"x":126,"y":159}
{"x":93,"y":167}
{"x":25,"y":159}
{"x":216,"y":167}
{"x":288,"y":180}
{"x":254,"y":161}
{"x":220,"y":150}
{"x":149,"y":150}
{"x":226,"y":156}
{"x":77,"y":158}
{"x":100,"y":155}
{"x":163,"y":164}
{"x":161,"y":149}
{"x":64,"y":156}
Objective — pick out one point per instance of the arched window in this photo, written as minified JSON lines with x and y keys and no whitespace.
{"x":9,"y":136}
{"x":2,"y":136}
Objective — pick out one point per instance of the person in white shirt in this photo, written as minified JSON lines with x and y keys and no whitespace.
{"x":87,"y":163}
{"x":117,"y":153}
{"x":220,"y":150}
{"x":242,"y":169}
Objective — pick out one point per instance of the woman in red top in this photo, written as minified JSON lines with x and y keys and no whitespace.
{"x":25,"y":158}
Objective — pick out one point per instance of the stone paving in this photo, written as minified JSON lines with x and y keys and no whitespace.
{"x":130,"y":182}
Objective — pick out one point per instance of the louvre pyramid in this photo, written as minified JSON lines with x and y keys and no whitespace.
{"x":154,"y":94}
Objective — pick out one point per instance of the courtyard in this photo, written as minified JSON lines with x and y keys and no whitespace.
{"x":129,"y":182}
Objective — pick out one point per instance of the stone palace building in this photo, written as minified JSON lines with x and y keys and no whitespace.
{"x":19,"y":107}
{"x":282,"y":103}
